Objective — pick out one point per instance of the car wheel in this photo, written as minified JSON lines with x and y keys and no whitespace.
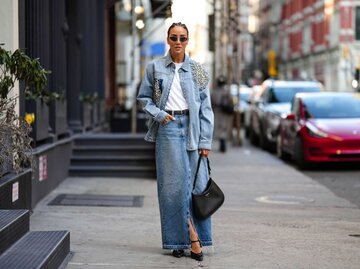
{"x":279,"y":151}
{"x":264,"y":143}
{"x":299,"y":154}
{"x":253,"y":137}
{"x":247,"y":132}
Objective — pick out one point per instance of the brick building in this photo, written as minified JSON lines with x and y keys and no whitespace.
{"x":314,"y":39}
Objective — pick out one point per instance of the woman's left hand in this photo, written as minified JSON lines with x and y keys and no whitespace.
{"x":204,"y":152}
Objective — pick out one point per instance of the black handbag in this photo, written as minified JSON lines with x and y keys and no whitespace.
{"x":206,"y":203}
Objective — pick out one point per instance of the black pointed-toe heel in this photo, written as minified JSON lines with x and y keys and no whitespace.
{"x":197,"y":256}
{"x":178,"y":253}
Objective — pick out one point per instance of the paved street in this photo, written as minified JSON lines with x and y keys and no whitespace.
{"x":341,"y":179}
{"x":274,"y":217}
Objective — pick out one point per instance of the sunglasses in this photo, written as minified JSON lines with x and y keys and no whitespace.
{"x":181,"y":38}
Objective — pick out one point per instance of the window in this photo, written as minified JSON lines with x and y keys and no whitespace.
{"x":296,"y":109}
{"x":323,"y":108}
{"x":286,"y":94}
{"x":334,"y":29}
{"x":357,"y":23}
{"x":307,"y":39}
{"x":285,"y":46}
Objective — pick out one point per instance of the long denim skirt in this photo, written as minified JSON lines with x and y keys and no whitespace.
{"x":175,"y":176}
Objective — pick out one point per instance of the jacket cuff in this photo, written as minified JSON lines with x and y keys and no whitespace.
{"x":205,"y":145}
{"x":160,"y":117}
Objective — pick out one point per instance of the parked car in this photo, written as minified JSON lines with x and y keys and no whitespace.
{"x":272,"y":103}
{"x":244,"y":95}
{"x":322,"y":127}
{"x":251,"y":99}
{"x":241,"y":94}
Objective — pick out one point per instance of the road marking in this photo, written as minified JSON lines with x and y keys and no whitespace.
{"x":284,"y":199}
{"x":95,"y":264}
{"x":129,"y":265}
{"x":247,"y":152}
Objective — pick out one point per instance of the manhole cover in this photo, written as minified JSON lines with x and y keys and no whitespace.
{"x":98,"y":200}
{"x":284,"y":199}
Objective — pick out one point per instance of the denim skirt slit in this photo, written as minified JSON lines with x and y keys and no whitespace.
{"x":175,"y":166}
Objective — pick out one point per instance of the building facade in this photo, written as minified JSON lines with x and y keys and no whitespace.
{"x":73,"y":39}
{"x":314,"y":39}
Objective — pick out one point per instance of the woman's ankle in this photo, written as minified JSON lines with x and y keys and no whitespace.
{"x":196,"y":246}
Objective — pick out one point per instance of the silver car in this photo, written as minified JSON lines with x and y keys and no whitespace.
{"x":272,"y":103}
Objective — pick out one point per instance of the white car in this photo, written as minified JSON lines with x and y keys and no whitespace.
{"x":247,"y":113}
{"x":241,"y":94}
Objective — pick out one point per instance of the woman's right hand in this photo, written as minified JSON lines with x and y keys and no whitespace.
{"x":168,"y":118}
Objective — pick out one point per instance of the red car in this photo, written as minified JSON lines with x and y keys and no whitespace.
{"x":322,"y":127}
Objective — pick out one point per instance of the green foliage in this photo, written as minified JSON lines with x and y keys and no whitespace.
{"x":15,"y":140}
{"x":18,"y":66}
{"x":89,"y":98}
{"x":45,"y":96}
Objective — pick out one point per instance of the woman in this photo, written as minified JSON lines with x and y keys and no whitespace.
{"x":175,"y":94}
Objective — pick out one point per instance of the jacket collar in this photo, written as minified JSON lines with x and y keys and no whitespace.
{"x":185,"y":66}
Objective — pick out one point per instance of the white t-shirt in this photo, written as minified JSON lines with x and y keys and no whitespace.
{"x":176,"y":99}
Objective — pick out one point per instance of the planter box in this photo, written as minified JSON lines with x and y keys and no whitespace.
{"x":15,"y":190}
{"x":102,"y":112}
{"x":40,"y":128}
{"x":95,"y":113}
{"x":52,"y":166}
{"x":120,"y":120}
{"x":86,"y":116}
{"x":58,"y":117}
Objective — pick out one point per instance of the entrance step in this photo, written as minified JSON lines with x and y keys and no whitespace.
{"x":13,"y":225}
{"x":37,"y":250}
{"x":113,"y":155}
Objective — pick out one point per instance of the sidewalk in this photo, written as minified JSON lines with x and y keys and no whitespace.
{"x":273,"y":217}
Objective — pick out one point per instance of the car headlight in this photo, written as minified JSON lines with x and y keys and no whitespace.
{"x":315,"y":132}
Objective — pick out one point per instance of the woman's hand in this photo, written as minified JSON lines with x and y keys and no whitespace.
{"x":204,"y":152}
{"x":168,"y":118}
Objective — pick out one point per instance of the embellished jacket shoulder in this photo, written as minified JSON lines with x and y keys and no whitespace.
{"x":200,"y":75}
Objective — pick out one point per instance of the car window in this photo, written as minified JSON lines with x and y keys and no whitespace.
{"x":244,"y":96}
{"x":334,"y":107}
{"x":272,"y":97}
{"x":265,"y":96}
{"x":296,"y":109}
{"x":307,"y":113}
{"x":285,"y":94}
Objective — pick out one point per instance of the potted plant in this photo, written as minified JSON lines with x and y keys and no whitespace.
{"x":51,"y":110}
{"x":58,"y":112}
{"x":15,"y":139}
{"x":89,"y":111}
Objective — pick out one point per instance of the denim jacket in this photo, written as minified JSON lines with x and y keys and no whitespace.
{"x":154,"y":92}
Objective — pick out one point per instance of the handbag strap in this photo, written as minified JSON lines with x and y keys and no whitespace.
{"x":197,"y":169}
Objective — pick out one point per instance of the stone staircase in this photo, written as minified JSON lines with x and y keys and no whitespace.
{"x":24,"y":249}
{"x":112,"y":155}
